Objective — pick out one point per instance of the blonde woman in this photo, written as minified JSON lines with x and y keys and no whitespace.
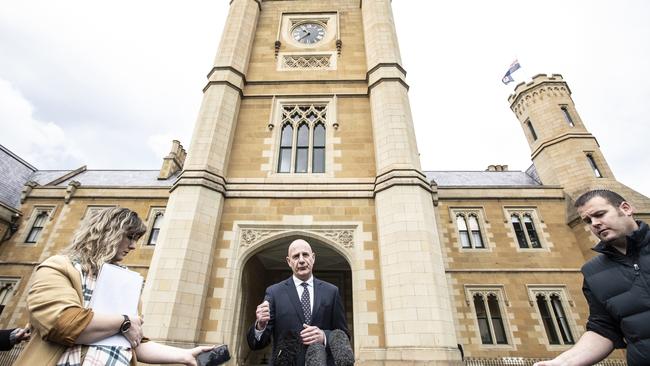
{"x":62,"y":287}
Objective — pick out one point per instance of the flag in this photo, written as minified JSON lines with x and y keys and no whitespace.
{"x":507,"y":78}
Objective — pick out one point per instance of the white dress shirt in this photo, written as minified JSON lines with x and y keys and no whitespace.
{"x":310,"y":282}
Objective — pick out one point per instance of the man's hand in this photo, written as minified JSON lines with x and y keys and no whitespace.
{"x":134,"y":334}
{"x":262,"y":315}
{"x":590,"y":349}
{"x":312,"y":334}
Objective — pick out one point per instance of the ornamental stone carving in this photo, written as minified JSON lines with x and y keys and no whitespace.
{"x":306,"y":62}
{"x":252,"y":236}
{"x":345,"y":238}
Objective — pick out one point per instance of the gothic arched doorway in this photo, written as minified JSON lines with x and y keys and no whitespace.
{"x":268,"y":266}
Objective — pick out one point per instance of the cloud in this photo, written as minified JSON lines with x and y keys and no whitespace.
{"x":40,"y":142}
{"x":161,"y":144}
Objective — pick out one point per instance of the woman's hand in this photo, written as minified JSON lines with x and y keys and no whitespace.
{"x":134,"y":334}
{"x":152,"y":352}
{"x":193,"y":353}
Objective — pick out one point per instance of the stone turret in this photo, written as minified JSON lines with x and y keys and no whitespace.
{"x":564,"y":152}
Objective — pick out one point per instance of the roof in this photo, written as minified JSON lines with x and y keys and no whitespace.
{"x":15,"y":173}
{"x":481,"y":179}
{"x":106,"y":178}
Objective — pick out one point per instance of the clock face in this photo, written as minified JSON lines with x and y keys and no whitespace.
{"x":308,"y":33}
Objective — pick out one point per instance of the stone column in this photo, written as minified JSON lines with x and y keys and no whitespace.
{"x":417,"y":307}
{"x":180,"y":268}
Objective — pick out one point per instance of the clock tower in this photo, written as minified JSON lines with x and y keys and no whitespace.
{"x":305,"y":131}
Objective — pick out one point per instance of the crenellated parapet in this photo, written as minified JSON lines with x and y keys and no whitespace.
{"x":542,"y":86}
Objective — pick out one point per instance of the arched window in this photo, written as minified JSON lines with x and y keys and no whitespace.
{"x":477,"y":240}
{"x":37,"y":227}
{"x":318,"y":164}
{"x":286,"y":141}
{"x":547,"y":320}
{"x":469,"y":231}
{"x":523,"y":225}
{"x":533,"y":134}
{"x":519,"y":231}
{"x":554,"y":319}
{"x":304,"y":153}
{"x":463,"y":234}
{"x":593,"y":165}
{"x":155,"y":229}
{"x":6,"y":291}
{"x":497,"y":321}
{"x":561,"y":318}
{"x":567,"y":116}
{"x":490,"y":321}
{"x":483,"y":320}
{"x":302,"y":149}
{"x":532,"y":233}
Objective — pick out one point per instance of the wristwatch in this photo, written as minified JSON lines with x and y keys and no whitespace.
{"x":126,"y":325}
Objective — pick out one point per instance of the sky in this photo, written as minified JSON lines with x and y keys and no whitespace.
{"x":110,"y":84}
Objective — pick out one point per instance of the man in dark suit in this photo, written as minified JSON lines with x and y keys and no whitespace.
{"x":301,"y":306}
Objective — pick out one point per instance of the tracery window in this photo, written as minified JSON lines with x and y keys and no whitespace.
{"x":469,"y":231}
{"x":525,"y":231}
{"x":554,"y":318}
{"x":491,"y":325}
{"x":302,"y":139}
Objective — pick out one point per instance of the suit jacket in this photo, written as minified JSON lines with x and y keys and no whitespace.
{"x":5,"y":345}
{"x":287,"y":315}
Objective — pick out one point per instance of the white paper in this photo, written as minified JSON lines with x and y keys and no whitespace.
{"x":117,"y":291}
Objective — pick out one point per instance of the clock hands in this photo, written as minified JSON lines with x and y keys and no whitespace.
{"x":310,"y":33}
{"x":307,"y":34}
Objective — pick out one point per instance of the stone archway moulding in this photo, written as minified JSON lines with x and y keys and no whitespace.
{"x":343,"y":235}
{"x":248,"y":238}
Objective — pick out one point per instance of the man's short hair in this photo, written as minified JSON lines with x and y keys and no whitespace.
{"x":612,"y":197}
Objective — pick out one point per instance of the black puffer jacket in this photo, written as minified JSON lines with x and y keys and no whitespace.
{"x":617,"y":288}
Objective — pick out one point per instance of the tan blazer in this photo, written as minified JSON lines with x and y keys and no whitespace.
{"x":56,"y":312}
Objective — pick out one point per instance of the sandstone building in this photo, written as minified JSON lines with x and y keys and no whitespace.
{"x":305,"y":130}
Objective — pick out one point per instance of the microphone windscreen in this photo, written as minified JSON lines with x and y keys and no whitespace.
{"x":286,"y":350}
{"x":340,"y":347}
{"x":316,"y":355}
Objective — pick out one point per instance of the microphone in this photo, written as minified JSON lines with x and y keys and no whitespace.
{"x":339,"y":345}
{"x":287,"y":350}
{"x":214,"y":357}
{"x":316,"y":355}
